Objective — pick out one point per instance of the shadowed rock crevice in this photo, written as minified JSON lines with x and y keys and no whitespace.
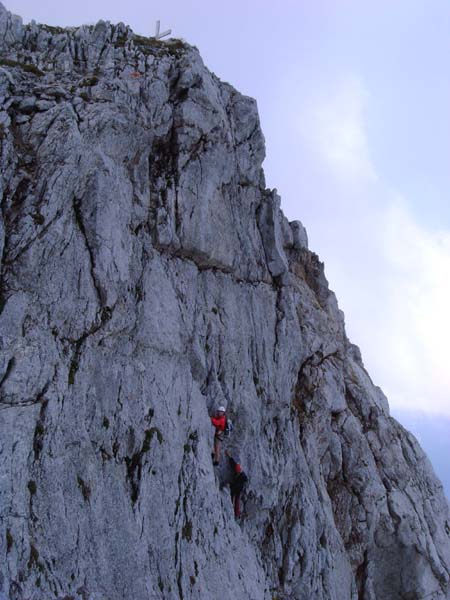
{"x":80,"y":222}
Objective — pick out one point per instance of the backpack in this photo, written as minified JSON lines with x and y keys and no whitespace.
{"x":228,"y":428}
{"x":242,"y":478}
{"x":238,"y":484}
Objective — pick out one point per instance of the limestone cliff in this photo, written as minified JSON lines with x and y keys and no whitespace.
{"x":148,"y":275}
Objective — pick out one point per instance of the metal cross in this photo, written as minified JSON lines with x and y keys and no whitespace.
{"x":159,"y":35}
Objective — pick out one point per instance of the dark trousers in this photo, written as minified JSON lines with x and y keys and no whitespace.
{"x":235,"y":499}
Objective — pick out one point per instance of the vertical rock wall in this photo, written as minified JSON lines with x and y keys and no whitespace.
{"x":147,"y":275}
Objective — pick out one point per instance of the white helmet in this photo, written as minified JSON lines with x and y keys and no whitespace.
{"x":221,"y":409}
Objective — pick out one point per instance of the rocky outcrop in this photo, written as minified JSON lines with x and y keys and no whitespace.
{"x":147,"y":275}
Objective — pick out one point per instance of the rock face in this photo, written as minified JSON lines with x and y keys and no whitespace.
{"x":147,"y":275}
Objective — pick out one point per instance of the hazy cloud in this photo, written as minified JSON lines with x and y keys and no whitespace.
{"x":417,"y":316}
{"x":335,"y":129}
{"x":390,"y":271}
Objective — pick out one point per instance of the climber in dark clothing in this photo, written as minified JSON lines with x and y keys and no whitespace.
{"x":237,"y":484}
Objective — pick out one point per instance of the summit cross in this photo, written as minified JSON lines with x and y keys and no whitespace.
{"x":159,"y":35}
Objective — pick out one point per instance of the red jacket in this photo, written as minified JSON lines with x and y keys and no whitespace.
{"x":219,"y":422}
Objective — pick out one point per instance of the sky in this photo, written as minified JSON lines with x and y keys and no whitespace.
{"x":354,"y":100}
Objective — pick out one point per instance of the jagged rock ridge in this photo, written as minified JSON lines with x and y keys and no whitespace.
{"x":148,"y":275}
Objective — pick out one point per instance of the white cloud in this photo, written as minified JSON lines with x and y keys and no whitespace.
{"x":390,"y":272}
{"x":334,"y":127}
{"x":418,"y":318}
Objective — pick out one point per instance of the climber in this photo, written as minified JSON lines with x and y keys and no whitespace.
{"x":220,"y":423}
{"x":237,"y":484}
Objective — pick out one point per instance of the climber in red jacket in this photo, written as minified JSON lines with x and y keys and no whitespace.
{"x":220,"y":423}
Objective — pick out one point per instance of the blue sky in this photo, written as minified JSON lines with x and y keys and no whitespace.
{"x":354,"y":99}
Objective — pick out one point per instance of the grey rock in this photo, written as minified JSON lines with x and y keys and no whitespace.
{"x":272,"y":234}
{"x":11,"y":27}
{"x":44,"y":105}
{"x":147,"y":275}
{"x":22,"y":119}
{"x":27,"y":105}
{"x":299,"y":234}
